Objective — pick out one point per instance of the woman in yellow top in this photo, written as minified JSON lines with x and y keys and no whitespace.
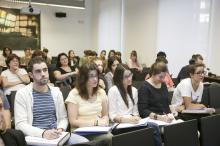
{"x":87,"y":103}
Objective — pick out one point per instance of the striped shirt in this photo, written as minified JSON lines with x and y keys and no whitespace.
{"x":44,"y":112}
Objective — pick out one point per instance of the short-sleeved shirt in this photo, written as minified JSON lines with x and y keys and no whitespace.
{"x":11,"y":77}
{"x":87,"y":110}
{"x":185,"y":89}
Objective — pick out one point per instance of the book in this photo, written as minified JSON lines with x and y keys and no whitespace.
{"x":162,"y":123}
{"x":45,"y":142}
{"x":92,"y":130}
{"x":142,"y":122}
{"x":199,"y":111}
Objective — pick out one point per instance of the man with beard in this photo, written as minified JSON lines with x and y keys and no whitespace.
{"x":39,"y":108}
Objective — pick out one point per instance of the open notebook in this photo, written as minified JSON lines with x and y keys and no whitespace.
{"x":142,"y":122}
{"x":45,"y":142}
{"x":200,"y":111}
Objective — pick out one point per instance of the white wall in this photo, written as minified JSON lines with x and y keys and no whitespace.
{"x":62,"y":34}
{"x":107,"y":23}
{"x":214,"y":50}
{"x":140,"y":29}
{"x":182,"y":32}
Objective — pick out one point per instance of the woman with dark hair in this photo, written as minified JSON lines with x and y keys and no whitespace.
{"x":14,"y":77}
{"x":112,"y":64}
{"x":111,"y":53}
{"x":5,"y":53}
{"x":87,"y":103}
{"x":123,"y":100}
{"x":153,"y":96}
{"x":188,"y":93}
{"x":123,"y":97}
{"x":118,"y":55}
{"x":64,"y":71}
{"x":133,"y":62}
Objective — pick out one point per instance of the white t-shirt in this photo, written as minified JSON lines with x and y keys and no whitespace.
{"x":117,"y":107}
{"x":185,"y":89}
{"x":11,"y":77}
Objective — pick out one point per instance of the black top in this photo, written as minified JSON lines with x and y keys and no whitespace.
{"x":151,"y":99}
{"x":69,"y":80}
{"x":184,"y":73}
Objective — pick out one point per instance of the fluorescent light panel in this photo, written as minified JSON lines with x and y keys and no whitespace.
{"x":48,"y":4}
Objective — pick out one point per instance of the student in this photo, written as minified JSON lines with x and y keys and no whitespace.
{"x":153,"y":96}
{"x":87,"y":103}
{"x":112,"y":64}
{"x":46,"y":57}
{"x":14,"y":77}
{"x":118,"y":55}
{"x":168,"y":80}
{"x":123,"y":100}
{"x":111,"y":53}
{"x":64,"y":71}
{"x":102,"y":80}
{"x":188,"y":93}
{"x":8,"y":137}
{"x":74,"y":60}
{"x":5,"y":109}
{"x":39,"y":107}
{"x":26,"y":58}
{"x":5,"y":53}
{"x":133,"y":62}
{"x":184,"y":72}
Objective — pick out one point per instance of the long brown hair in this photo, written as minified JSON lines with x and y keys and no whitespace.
{"x":83,"y":77}
{"x":118,"y":81}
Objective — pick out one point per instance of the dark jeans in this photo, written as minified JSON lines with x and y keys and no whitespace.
{"x":157,"y":136}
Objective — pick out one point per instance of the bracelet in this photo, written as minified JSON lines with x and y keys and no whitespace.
{"x":97,"y":122}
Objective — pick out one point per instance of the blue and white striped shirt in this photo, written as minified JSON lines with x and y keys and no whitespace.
{"x":44,"y":112}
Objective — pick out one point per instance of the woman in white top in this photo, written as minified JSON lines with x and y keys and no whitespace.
{"x":123,"y":97}
{"x":123,"y":100}
{"x":188,"y":93}
{"x":133,"y":62}
{"x":14,"y":78}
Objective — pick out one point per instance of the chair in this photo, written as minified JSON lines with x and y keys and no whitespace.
{"x":205,"y":95}
{"x":143,"y":137}
{"x":65,"y":91}
{"x":137,"y":84}
{"x":214,"y":95}
{"x":209,"y":129}
{"x":181,"y":134}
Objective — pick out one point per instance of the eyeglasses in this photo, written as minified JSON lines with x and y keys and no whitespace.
{"x":92,"y":76}
{"x":128,"y":76}
{"x":200,"y":73}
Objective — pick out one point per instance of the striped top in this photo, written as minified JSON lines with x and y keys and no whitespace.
{"x":44,"y":112}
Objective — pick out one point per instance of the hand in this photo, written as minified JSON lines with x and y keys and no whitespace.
{"x":165,"y":118}
{"x":180,"y":108}
{"x":103,"y":122}
{"x":130,"y":119}
{"x":51,"y":134}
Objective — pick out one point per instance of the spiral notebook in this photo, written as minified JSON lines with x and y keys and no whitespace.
{"x":45,"y":142}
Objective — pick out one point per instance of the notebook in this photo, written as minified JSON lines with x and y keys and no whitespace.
{"x":142,"y":122}
{"x":162,"y":123}
{"x":45,"y":142}
{"x":92,"y":130}
{"x":199,"y":111}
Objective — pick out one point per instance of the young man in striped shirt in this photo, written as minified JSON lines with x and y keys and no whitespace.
{"x":39,"y":108}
